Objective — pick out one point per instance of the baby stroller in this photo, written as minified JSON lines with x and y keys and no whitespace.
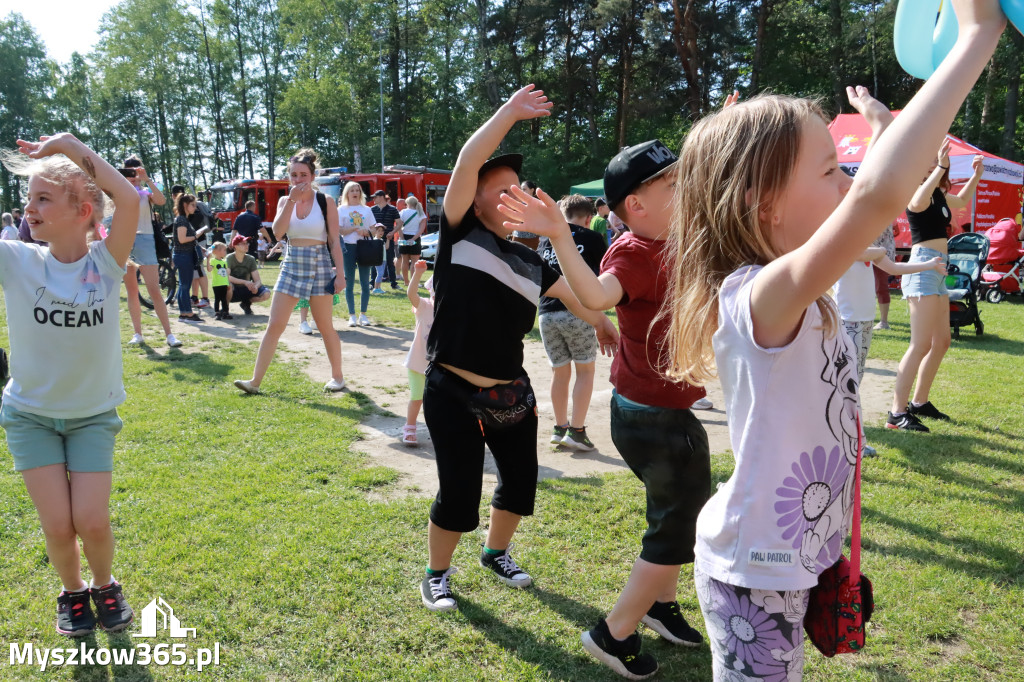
{"x":1004,"y":272}
{"x":967,"y":254}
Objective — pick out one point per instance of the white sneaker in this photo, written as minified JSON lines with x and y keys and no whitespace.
{"x":304,"y":328}
{"x":334,"y":386}
{"x":703,"y":404}
{"x":172,"y":341}
{"x":246,"y":386}
{"x":364,"y":320}
{"x":312,"y":325}
{"x":352,"y":321}
{"x":136,"y":340}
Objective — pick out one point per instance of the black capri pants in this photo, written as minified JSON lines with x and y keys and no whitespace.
{"x":459,"y":440}
{"x":668,"y":450}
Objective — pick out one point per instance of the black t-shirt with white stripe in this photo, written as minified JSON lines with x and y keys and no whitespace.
{"x":486,"y":291}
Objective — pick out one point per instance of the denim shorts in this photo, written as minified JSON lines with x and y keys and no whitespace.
{"x":84,"y":444}
{"x":927,"y":283}
{"x":668,"y":450}
{"x":144,"y":250}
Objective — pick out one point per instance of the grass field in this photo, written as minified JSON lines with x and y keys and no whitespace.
{"x":254,"y":520}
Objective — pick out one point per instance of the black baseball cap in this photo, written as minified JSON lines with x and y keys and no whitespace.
{"x":379,"y":193}
{"x":513,"y":161}
{"x":634,"y":166}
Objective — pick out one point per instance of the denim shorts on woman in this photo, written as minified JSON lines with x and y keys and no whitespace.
{"x":927,"y":283}
{"x":306,"y":272}
{"x":85,"y":444}
{"x":144,"y":249}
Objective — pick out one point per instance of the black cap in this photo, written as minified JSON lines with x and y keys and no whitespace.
{"x":379,"y":193}
{"x":634,"y":166}
{"x":513,"y":161}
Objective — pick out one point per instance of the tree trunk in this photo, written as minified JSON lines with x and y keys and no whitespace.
{"x":490,"y":84}
{"x":836,"y":48}
{"x":625,"y":75}
{"x":684,"y":37}
{"x":242,"y":88}
{"x":1006,"y":147}
{"x":764,"y":10}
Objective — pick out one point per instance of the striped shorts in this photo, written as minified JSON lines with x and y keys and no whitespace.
{"x":306,"y":272}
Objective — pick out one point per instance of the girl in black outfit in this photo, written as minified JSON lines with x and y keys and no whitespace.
{"x":486,"y":291}
{"x":929,"y":214}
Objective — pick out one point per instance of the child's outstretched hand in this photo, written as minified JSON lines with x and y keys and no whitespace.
{"x":420,"y":267}
{"x":867,"y":106}
{"x":528,"y":103}
{"x":943,"y":155}
{"x":938,"y":265}
{"x":539,"y":213}
{"x":48,"y":145}
{"x":731,"y":99}
{"x":607,"y":337}
{"x":978,"y":164}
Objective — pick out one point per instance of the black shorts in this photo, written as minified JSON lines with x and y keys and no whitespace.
{"x":459,"y":454}
{"x":240,"y":293}
{"x":668,"y":450}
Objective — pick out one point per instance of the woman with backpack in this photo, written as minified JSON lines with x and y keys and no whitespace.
{"x":310,"y":220}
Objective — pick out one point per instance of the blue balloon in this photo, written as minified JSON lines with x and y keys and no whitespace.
{"x":927,"y":29}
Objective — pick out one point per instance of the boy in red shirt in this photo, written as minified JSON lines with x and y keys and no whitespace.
{"x":651,"y":422}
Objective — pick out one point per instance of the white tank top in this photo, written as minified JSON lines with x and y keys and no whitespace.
{"x":145,"y":225}
{"x":310,"y":227}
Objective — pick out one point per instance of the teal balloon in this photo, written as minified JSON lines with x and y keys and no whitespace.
{"x":926,"y":31}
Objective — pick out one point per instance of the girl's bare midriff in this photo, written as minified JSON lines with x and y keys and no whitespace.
{"x":473,"y":378}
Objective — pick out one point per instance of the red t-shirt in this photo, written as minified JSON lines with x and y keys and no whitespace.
{"x":639,"y":266}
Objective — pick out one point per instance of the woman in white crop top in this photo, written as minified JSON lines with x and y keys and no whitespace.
{"x":307,"y":272}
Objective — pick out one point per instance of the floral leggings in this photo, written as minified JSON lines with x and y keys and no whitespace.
{"x":754,"y":634}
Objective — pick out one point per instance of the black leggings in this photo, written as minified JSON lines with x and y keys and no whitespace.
{"x":220,"y":298}
{"x":459,"y":452}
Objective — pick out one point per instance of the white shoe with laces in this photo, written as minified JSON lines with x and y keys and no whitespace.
{"x":304,"y":327}
{"x":334,"y":386}
{"x":703,"y":404}
{"x":172,"y":341}
{"x":364,"y":320}
{"x":352,"y":321}
{"x":136,"y":340}
{"x":436,"y":594}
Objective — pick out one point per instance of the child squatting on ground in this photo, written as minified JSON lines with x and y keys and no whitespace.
{"x":60,"y":406}
{"x":766,"y":224}
{"x":416,"y":360}
{"x":652,"y":424}
{"x":477,"y":390}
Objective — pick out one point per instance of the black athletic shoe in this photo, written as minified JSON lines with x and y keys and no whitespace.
{"x":504,"y":566}
{"x":622,"y":656}
{"x":666,"y":619}
{"x":927,"y":410}
{"x":246,"y":307}
{"x":905,"y":422}
{"x":111,"y":607}
{"x":436,"y":593}
{"x":74,"y":614}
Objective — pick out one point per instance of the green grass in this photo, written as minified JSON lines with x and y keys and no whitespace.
{"x":254,"y":519}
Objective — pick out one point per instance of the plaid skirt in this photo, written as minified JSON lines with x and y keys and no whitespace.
{"x":306,"y":272}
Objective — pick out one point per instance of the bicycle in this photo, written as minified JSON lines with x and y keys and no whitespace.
{"x":168,"y":282}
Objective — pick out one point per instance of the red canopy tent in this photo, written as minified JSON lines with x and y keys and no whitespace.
{"x":999,"y":194}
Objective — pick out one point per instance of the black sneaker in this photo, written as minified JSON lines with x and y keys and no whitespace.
{"x":504,"y":566}
{"x":927,"y":410}
{"x":622,"y":656}
{"x":436,"y":594}
{"x":74,"y":614}
{"x":557,"y":434}
{"x":246,"y":307}
{"x":666,"y":619}
{"x":576,"y":439}
{"x":905,"y":422}
{"x":111,"y":607}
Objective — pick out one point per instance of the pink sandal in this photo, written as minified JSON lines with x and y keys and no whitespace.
{"x":409,"y":434}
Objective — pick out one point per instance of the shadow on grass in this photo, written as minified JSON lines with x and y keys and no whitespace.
{"x":197,"y":363}
{"x":531,"y":648}
{"x":365,"y":409}
{"x":95,"y":672}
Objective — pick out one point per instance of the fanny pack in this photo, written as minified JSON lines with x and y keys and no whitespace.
{"x":496,"y":407}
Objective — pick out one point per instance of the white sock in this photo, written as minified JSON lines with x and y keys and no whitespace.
{"x":80,"y":589}
{"x":93,"y":585}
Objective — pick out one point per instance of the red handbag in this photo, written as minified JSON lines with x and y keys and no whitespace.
{"x":842,"y":601}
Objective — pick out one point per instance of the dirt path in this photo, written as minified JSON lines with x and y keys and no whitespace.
{"x":372,"y":360}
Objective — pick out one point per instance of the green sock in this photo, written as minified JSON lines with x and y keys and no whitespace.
{"x":434,"y":574}
{"x":493,"y":552}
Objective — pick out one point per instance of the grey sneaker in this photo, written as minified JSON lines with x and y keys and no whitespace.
{"x":436,"y":593}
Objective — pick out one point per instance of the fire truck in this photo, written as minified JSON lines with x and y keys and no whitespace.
{"x":426,"y":184}
{"x":227,"y":198}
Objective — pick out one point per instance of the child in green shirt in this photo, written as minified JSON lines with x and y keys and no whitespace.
{"x":218,"y":269}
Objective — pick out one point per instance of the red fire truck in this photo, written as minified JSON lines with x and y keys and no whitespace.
{"x":228,"y":197}
{"x":426,"y":184}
